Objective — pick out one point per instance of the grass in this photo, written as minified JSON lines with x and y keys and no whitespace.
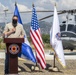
{"x":3,"y":46}
{"x":46,"y":46}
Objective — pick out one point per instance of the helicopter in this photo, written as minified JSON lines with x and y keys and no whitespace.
{"x":68,"y":33}
{"x":67,"y":29}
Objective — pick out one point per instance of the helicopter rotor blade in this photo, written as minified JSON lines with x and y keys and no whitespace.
{"x":41,"y":11}
{"x":60,"y":12}
{"x":45,"y":17}
{"x":69,"y":11}
{"x":9,"y":12}
{"x":50,"y":16}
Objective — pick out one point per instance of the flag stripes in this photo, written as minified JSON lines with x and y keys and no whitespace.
{"x":38,"y":41}
{"x":39,"y":49}
{"x":38,"y":44}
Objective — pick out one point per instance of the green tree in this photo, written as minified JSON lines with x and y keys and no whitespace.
{"x":1,"y":41}
{"x":46,"y":38}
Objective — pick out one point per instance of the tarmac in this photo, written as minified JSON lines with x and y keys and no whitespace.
{"x":26,"y":65}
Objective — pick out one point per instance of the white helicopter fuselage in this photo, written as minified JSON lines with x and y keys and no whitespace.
{"x":68,"y":40}
{"x":68,"y":33}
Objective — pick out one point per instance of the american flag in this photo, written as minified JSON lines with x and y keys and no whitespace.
{"x":37,"y":40}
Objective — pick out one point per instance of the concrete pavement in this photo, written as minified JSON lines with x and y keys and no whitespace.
{"x":49,"y":55}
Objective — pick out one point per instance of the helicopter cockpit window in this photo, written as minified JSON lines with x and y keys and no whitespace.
{"x":70,"y":27}
{"x":62,"y":27}
{"x":74,"y":29}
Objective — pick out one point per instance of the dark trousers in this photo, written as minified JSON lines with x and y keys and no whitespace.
{"x":7,"y":64}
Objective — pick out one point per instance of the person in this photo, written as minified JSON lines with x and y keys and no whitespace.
{"x":12,"y":30}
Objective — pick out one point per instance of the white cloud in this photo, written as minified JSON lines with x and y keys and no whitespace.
{"x":40,"y":8}
{"x":22,"y":8}
{"x":61,"y":4}
{"x":69,"y":4}
{"x":53,"y":1}
{"x":65,"y":4}
{"x":46,"y":2}
{"x":43,"y":2}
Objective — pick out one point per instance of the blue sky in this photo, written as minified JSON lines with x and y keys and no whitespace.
{"x":25,"y":5}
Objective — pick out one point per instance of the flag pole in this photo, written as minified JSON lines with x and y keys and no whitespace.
{"x":55,"y":69}
{"x":36,"y":67}
{"x":35,"y":51}
{"x":56,"y":42}
{"x":54,"y":62}
{"x":32,"y":4}
{"x":15,"y":3}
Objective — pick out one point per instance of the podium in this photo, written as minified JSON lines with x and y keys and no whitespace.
{"x":13,"y":46}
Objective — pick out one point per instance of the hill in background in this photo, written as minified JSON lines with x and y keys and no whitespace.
{"x":45,"y":27}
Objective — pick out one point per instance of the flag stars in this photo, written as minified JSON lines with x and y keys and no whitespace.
{"x":34,"y":24}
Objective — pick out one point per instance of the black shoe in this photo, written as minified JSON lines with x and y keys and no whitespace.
{"x":6,"y":72}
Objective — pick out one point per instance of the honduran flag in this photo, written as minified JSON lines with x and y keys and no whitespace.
{"x":26,"y":49}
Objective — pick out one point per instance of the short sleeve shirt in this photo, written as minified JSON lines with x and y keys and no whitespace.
{"x":19,"y":30}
